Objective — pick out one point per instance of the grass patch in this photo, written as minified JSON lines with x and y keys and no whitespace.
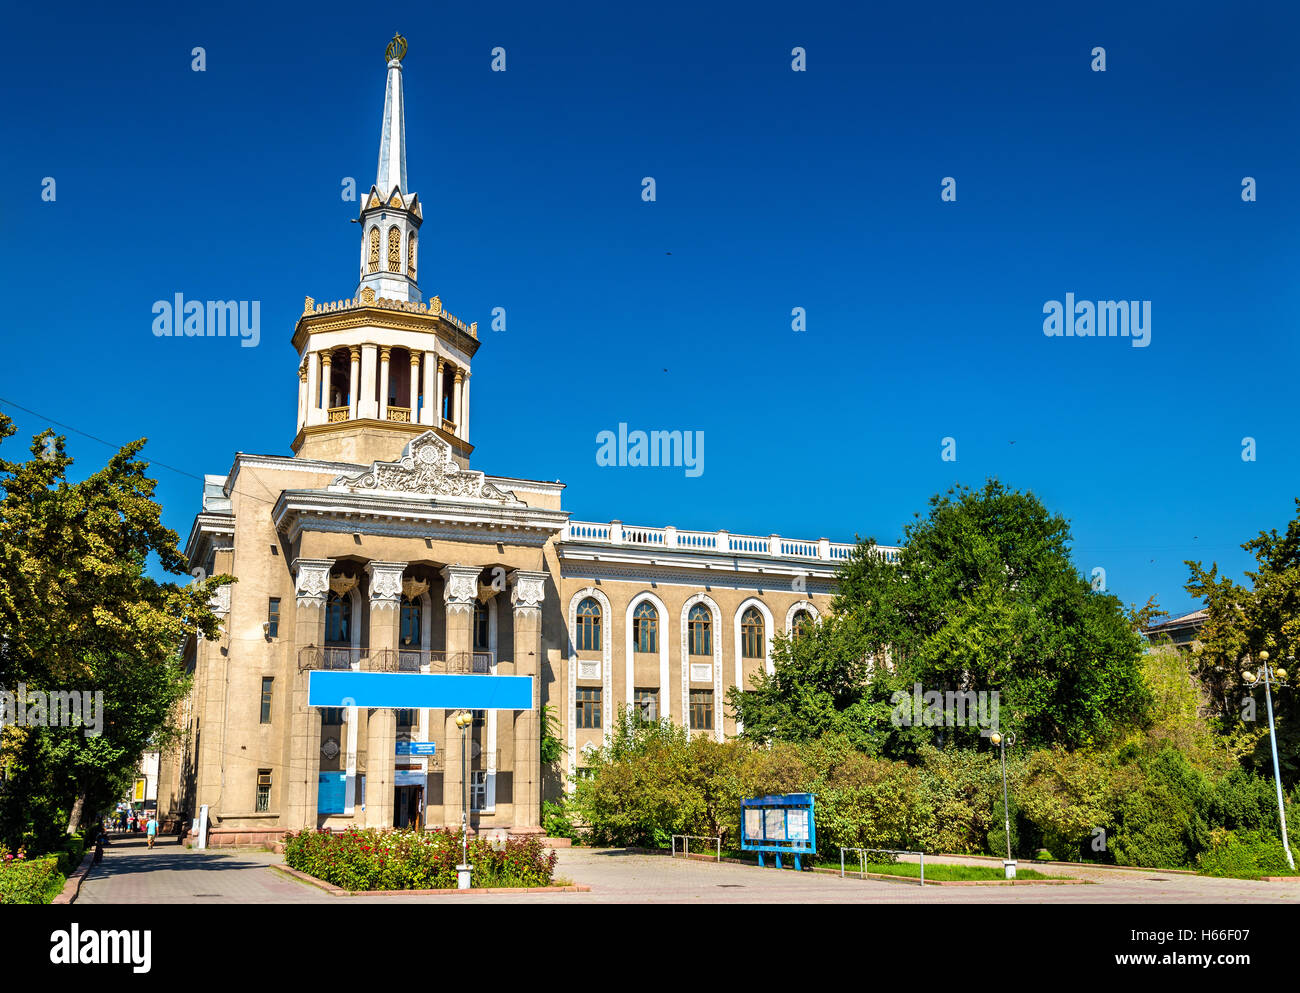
{"x":940,"y":873}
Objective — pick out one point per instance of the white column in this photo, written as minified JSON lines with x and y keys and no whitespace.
{"x":325,"y":377}
{"x":464,"y":432}
{"x":437,"y":409}
{"x":313,"y":388}
{"x":455,"y":404}
{"x":426,"y":412}
{"x":384,"y":353}
{"x":414,"y":400}
{"x":366,"y":407}
{"x":302,"y":397}
{"x":353,"y":382}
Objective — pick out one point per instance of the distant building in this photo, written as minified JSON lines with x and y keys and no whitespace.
{"x":1180,"y":631}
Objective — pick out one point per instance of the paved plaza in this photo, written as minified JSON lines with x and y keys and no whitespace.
{"x":171,"y":873}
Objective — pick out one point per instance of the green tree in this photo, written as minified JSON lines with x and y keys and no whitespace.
{"x":79,"y":611}
{"x":1242,"y":620}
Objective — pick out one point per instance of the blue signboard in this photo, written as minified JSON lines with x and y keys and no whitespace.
{"x":409,"y":690}
{"x":779,"y":824}
{"x":415,"y":748}
{"x":331,"y":792}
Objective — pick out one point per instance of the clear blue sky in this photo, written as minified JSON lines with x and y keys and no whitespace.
{"x":776,"y":190}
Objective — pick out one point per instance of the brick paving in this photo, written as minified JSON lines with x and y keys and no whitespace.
{"x":131,"y":874}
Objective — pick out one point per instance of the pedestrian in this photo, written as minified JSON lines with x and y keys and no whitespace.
{"x":152,"y":828}
{"x":99,"y":849}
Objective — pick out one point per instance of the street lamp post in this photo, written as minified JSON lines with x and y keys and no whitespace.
{"x":1267,"y":672}
{"x":463,"y":721}
{"x":1002,"y":741}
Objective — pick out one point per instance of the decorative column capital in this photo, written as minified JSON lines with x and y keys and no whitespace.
{"x":460,"y":586}
{"x":527,"y":590}
{"x":385,"y":583}
{"x":311,"y":580}
{"x":302,"y":373}
{"x":385,"y":353}
{"x":460,"y":374}
{"x":442,"y":363}
{"x":355,"y":352}
{"x":326,"y":358}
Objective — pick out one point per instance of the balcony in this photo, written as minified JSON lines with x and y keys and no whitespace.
{"x":402,"y":414}
{"x":412,"y":660}
{"x":337,"y":414}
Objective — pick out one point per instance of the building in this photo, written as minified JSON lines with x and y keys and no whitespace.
{"x":375,"y":553}
{"x":1181,"y":632}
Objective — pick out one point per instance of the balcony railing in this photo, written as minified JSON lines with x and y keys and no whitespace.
{"x":397,"y":660}
{"x":430,"y":660}
{"x":772,"y":546}
{"x":337,"y":414}
{"x":402,"y":414}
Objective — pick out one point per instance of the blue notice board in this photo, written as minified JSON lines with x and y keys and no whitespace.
{"x":415,"y":748}
{"x":782,"y":824}
{"x":331,"y":792}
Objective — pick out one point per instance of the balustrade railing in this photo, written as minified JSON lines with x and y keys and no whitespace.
{"x":772,"y":546}
{"x":397,"y":660}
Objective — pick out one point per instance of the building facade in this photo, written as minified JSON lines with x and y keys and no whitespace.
{"x":376,"y":548}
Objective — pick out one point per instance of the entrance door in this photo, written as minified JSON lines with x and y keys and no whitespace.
{"x":408,"y":807}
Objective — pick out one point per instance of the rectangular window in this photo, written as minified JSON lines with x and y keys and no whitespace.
{"x":647,"y":704}
{"x":406,"y":725}
{"x":273,"y":617}
{"x":263,"y":791}
{"x":477,"y":790}
{"x":588,"y":707}
{"x":267,"y":682}
{"x":332,"y":715}
{"x":701,"y":710}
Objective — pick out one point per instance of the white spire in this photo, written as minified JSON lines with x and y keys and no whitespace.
{"x":392,"y":142}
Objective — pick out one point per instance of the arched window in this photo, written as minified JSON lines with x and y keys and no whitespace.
{"x":801,"y":624}
{"x":481,"y":639}
{"x":588,"y":626}
{"x":411,"y":626}
{"x":645,"y":627}
{"x":410,"y":255}
{"x":338,"y":620}
{"x":751,"y":634}
{"x":699,"y":629}
{"x":374,"y":251}
{"x":394,"y":249}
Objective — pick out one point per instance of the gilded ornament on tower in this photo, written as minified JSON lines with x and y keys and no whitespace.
{"x":396,"y":48}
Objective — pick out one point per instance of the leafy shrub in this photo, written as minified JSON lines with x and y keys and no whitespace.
{"x":556,"y":822}
{"x":29,"y":881}
{"x":1160,"y":812}
{"x":415,"y":860}
{"x":1247,"y":855}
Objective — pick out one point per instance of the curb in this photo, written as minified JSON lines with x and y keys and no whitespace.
{"x":1031,"y":863}
{"x":73,"y":886}
{"x":909,"y":879}
{"x":333,"y":890}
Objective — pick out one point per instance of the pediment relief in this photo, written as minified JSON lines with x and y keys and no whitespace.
{"x":426,"y":468}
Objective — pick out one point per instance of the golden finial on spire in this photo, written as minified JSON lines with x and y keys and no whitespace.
{"x":396,"y":48}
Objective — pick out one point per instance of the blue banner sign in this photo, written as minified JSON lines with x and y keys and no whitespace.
{"x":406,"y":690}
{"x":415,"y":748}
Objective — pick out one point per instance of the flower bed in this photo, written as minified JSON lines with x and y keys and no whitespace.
{"x":24,"y":880}
{"x":415,"y":860}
